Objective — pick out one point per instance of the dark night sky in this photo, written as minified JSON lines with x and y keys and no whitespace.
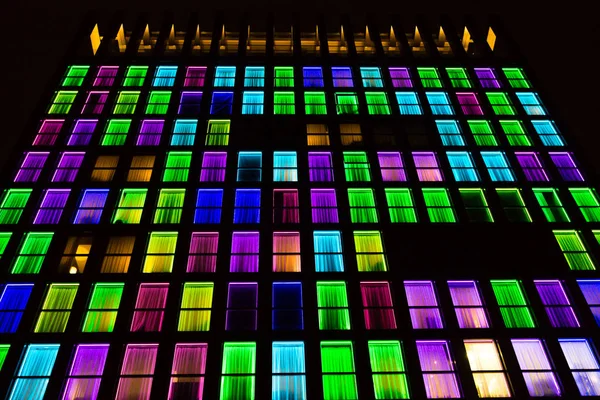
{"x":556,"y":43}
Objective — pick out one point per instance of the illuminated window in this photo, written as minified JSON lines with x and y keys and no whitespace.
{"x":184,"y":132}
{"x":587,"y":201}
{"x":140,"y":169}
{"x":208,"y":206}
{"x":126,"y":102}
{"x":591,"y":292}
{"x":255,"y":77}
{"x":531,"y":103}
{"x":244,"y":252}
{"x":430,"y":78}
{"x":387,"y":366}
{"x":48,"y":132}
{"x":567,"y":168}
{"x":217,"y":133}
{"x":13,"y":301}
{"x":118,"y":254}
{"x":469,"y":307}
{"x":557,"y":304}
{"x":283,"y":103}
{"x":164,"y":76}
{"x":249,"y":166}
{"x":160,"y":252}
{"x":323,"y":206}
{"x":378,"y":305}
{"x":68,"y":166}
{"x":253,"y":103}
{"x":82,"y":132}
{"x":238,"y":372}
{"x":400,"y":205}
{"x":12,"y":205}
{"x":328,"y":251}
{"x":94,"y":103}
{"x":342,"y":77}
{"x":187,"y":372}
{"x":583,"y":363}
{"x":4,"y":239}
{"x":51,"y":206}
{"x":369,"y":251}
{"x":346,"y":103}
{"x":332,"y":305}
{"x":423,"y":305}
{"x":469,"y":103}
{"x":513,"y":303}
{"x":75,"y":75}
{"x":194,"y":76}
{"x":189,"y":103}
{"x":574,"y":249}
{"x":317,"y":135}
{"x":224,"y":77}
{"x":91,"y":205}
{"x":356,"y":166}
{"x":513,"y":205}
{"x":242,"y":302}
{"x":103,"y":307}
{"x":31,"y":166}
{"x":482,"y":133}
{"x":548,"y":133}
{"x":516,"y":78}
{"x":116,"y":132}
{"x":213,"y":166}
{"x":284,"y":77}
{"x":33,"y":374}
{"x":286,"y":207}
{"x":497,"y":166}
{"x":427,"y":167}
{"x":137,"y":369}
{"x":350,"y":134}
{"x":400,"y":77}
{"x":315,"y":103}
{"x":450,"y":132}
{"x":320,"y":167}
{"x":150,"y":132}
{"x":439,"y":103}
{"x":177,"y":166}
{"x":149,"y":307}
{"x":339,"y":374}
{"x":489,"y":372}
{"x":538,"y":372}
{"x":203,"y":252}
{"x":437,"y":365}
{"x":285,"y":167}
{"x":377,"y":103}
{"x":158,"y":102}
{"x":392,"y":167}
{"x":62,"y":102}
{"x":476,"y":205}
{"x":487,"y":78}
{"x":135,"y":75}
{"x":286,"y":252}
{"x":459,"y":78}
{"x":551,"y":205}
{"x":106,"y":76}
{"x":75,"y":255}
{"x":56,"y":308}
{"x":169,"y":206}
{"x":222,"y":103}
{"x":371,"y":77}
{"x":289,"y":370}
{"x":515,"y":133}
{"x":312,"y":76}
{"x":130,"y":206}
{"x":500,"y":103}
{"x":196,"y":304}
{"x":31,"y":253}
{"x":409,"y":103}
{"x":362,"y":205}
{"x":462,"y":166}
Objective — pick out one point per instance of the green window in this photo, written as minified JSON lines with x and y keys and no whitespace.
{"x":501,"y":103}
{"x":346,"y":103}
{"x":377,"y":103}
{"x":400,"y":205}
{"x":513,"y":304}
{"x":369,"y":251}
{"x":160,"y":252}
{"x":458,"y":78}
{"x":315,"y":103}
{"x":116,"y":132}
{"x":284,"y":76}
{"x":362,"y":206}
{"x":332,"y":306}
{"x":551,"y":205}
{"x":430,"y":78}
{"x":238,"y":379}
{"x":130,"y":206}
{"x":3,"y":353}
{"x":135,"y":75}
{"x":513,"y":205}
{"x":169,"y":206}
{"x":284,"y":103}
{"x":103,"y":307}
{"x":482,"y":133}
{"x":158,"y":102}
{"x":587,"y":201}
{"x":387,"y":366}
{"x":4,"y":239}
{"x":56,"y":307}
{"x":574,"y":250}
{"x":63,"y":100}
{"x":476,"y":205}
{"x":218,"y":132}
{"x":337,"y":364}
{"x":515,"y":133}
{"x":196,"y":303}
{"x":177,"y":166}
{"x":516,"y":77}
{"x":126,"y":102}
{"x":12,"y":206}
{"x":75,"y":75}
{"x":439,"y":206}
{"x":356,"y":166}
{"x":32,"y":253}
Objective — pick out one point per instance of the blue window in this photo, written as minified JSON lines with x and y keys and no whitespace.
{"x":224,"y":77}
{"x":548,"y":133}
{"x":313,"y":76}
{"x":287,"y":306}
{"x":184,"y":132}
{"x":222,"y":103}
{"x":462,"y":166}
{"x":13,"y":300}
{"x":91,"y":206}
{"x":328,"y":251}
{"x":440,"y":103}
{"x":591,"y":291}
{"x":450,"y":133}
{"x":208,"y":206}
{"x":249,"y":166}
{"x":246,"y":206}
{"x":531,"y":103}
{"x":342,"y":77}
{"x":164,"y":76}
{"x":408,"y":103}
{"x":497,"y":166}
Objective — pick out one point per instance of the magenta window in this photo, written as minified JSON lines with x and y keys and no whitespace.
{"x":342,"y":77}
{"x":190,"y":103}
{"x":323,"y":204}
{"x":392,"y":167}
{"x":567,"y":168}
{"x":150,"y":132}
{"x":320,"y":167}
{"x":532,"y":167}
{"x":487,"y":78}
{"x":150,"y":307}
{"x":187,"y":373}
{"x":427,"y":167}
{"x":194,"y":76}
{"x":242,"y":302}
{"x":378,"y":305}
{"x":85,"y":373}
{"x":438,"y":369}
{"x":423,"y":305}
{"x":48,"y":132}
{"x":244,"y":252}
{"x":467,"y":304}
{"x":52,"y":205}
{"x":400,"y":77}
{"x":94,"y":104}
{"x":68,"y":166}
{"x":31,"y":167}
{"x":203,"y":252}
{"x":557,"y":304}
{"x":286,"y":207}
{"x":82,"y":132}
{"x":106,"y":76}
{"x":138,"y":366}
{"x":469,"y":104}
{"x":91,"y":206}
{"x":213,"y":166}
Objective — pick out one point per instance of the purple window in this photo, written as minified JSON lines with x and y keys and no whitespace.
{"x":91,"y":206}
{"x":378,"y":305}
{"x":52,"y":205}
{"x":244,"y":252}
{"x":487,"y":78}
{"x":194,"y":76}
{"x":342,"y":77}
{"x":557,"y":305}
{"x":423,"y":305}
{"x":313,"y":76}
{"x":68,"y":166}
{"x":565,"y":163}
{"x":213,"y":167}
{"x":190,"y":362}
{"x":392,"y":167}
{"x":286,"y":207}
{"x":203,"y":252}
{"x":469,"y":103}
{"x":467,"y":304}
{"x":94,"y":104}
{"x":85,"y":374}
{"x":150,"y":132}
{"x":190,"y":103}
{"x":320,"y":168}
{"x":400,"y":77}
{"x":137,"y":370}
{"x":242,"y":302}
{"x":438,"y":369}
{"x":106,"y":76}
{"x":427,"y":167}
{"x":324,"y":206}
{"x":536,"y":367}
{"x":31,"y":167}
{"x":532,"y":168}
{"x":150,"y":307}
{"x":48,"y":132}
{"x":82,"y":132}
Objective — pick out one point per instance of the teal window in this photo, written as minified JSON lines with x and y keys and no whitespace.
{"x":462,"y":166}
{"x":184,"y":132}
{"x":450,"y":133}
{"x":497,"y":166}
{"x":165,"y":76}
{"x":409,"y":104}
{"x":531,"y":103}
{"x":371,"y":77}
{"x":548,"y":133}
{"x":224,"y":77}
{"x":255,"y":77}
{"x":253,"y":103}
{"x":439,"y":103}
